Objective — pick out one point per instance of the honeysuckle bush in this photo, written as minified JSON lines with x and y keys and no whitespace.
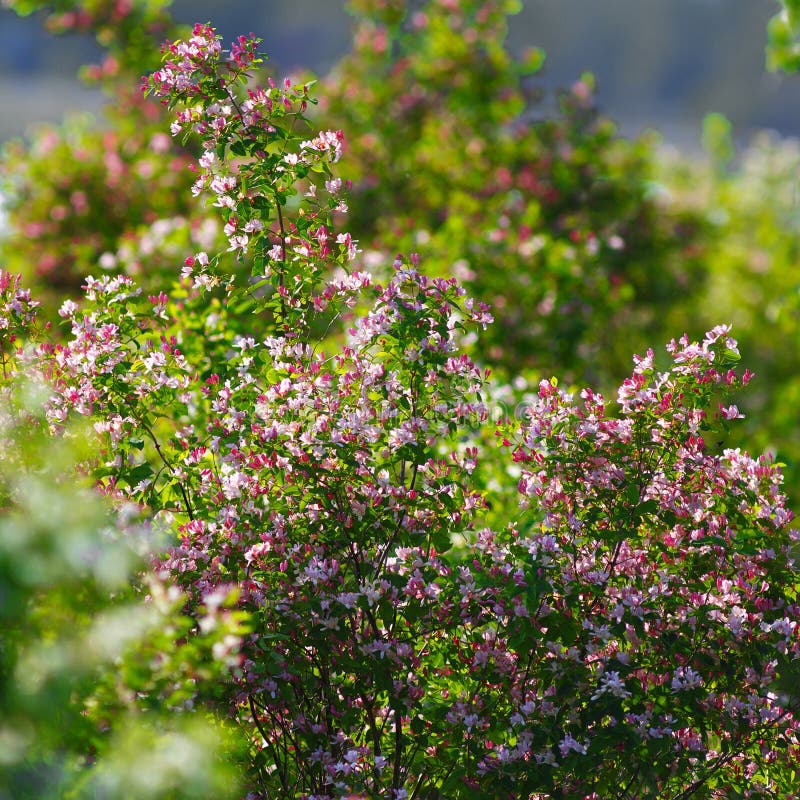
{"x":601,"y":243}
{"x":86,"y":197}
{"x":312,"y":441}
{"x":534,"y":203}
{"x":750,"y":272}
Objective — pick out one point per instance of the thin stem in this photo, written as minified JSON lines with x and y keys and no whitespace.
{"x":280,"y":768}
{"x":624,"y":792}
{"x":398,"y":743}
{"x":282,"y":228}
{"x":169,"y":466}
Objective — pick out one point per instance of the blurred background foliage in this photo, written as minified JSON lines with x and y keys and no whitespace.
{"x":661,"y":63}
{"x":96,"y":668}
{"x":590,"y":246}
{"x":101,"y":664}
{"x":783,"y":33}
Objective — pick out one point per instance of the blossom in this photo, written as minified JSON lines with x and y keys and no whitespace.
{"x":611,"y":683}
{"x":685,"y":678}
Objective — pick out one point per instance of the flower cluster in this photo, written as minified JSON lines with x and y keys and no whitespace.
{"x":18,"y":312}
{"x":650,"y":567}
{"x":253,"y":163}
{"x":190,"y":61}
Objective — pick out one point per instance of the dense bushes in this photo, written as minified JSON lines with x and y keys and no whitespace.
{"x":396,"y":576}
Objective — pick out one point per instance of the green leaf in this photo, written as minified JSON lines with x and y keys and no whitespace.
{"x":138,"y":474}
{"x":238,"y":149}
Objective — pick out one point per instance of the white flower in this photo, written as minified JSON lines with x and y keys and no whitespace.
{"x":611,"y":683}
{"x":685,"y":678}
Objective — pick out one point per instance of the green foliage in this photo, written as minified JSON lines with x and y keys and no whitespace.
{"x":718,"y":139}
{"x":783,"y":38}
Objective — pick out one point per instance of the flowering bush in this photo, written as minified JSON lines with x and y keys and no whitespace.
{"x":312,"y":444}
{"x":608,"y":244}
{"x":535,"y":204}
{"x":101,"y":210}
